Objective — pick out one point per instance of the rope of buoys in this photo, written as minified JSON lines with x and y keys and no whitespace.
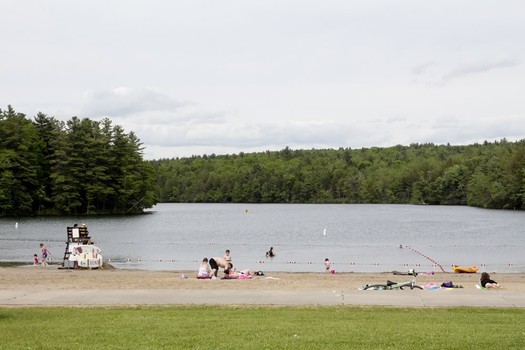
{"x":428,"y":258}
{"x":288,"y":262}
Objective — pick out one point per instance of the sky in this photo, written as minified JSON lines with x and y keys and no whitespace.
{"x":223,"y":77}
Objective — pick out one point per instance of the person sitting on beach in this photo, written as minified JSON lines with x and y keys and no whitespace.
{"x":204,"y":270}
{"x":487,"y":282}
{"x":215,"y":263}
{"x":270,"y":253}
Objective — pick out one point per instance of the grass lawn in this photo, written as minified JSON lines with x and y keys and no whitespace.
{"x":213,"y":327}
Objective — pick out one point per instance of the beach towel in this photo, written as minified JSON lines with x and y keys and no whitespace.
{"x":431,"y":286}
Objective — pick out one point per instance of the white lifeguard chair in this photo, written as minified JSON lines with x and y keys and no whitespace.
{"x":80,"y":252}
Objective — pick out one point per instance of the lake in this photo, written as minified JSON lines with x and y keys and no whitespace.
{"x":359,"y":238}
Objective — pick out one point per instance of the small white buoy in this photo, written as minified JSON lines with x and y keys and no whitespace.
{"x":324,"y":232}
{"x":16,"y":225}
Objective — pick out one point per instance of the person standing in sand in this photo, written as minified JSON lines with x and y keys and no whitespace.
{"x":227,"y":256}
{"x":45,"y":253}
{"x":327,"y":265}
{"x":215,"y":263}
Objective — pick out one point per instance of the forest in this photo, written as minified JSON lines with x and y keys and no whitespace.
{"x":78,"y":167}
{"x":86,"y":167}
{"x":488,"y":175}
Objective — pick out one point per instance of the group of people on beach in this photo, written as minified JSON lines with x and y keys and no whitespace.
{"x":44,"y":255}
{"x":209,"y":268}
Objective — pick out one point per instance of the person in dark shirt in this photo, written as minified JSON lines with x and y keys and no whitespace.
{"x":487,"y":282}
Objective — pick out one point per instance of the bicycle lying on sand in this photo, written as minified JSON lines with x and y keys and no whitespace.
{"x":393,"y":285}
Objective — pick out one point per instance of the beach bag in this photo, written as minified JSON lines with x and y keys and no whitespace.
{"x":259,"y":273}
{"x":448,"y":284}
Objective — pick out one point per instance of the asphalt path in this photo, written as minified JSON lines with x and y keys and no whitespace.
{"x":132,"y":297}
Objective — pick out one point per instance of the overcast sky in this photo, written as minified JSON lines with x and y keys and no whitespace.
{"x":202,"y":77}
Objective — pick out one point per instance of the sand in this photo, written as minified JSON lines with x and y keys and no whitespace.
{"x":29,"y":277}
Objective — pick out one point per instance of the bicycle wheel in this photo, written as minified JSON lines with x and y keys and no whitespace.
{"x":411,"y":287}
{"x":375,"y":287}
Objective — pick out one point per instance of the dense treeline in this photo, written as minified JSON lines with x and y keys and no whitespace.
{"x":489,"y":175}
{"x":87,"y":167}
{"x":75,"y":167}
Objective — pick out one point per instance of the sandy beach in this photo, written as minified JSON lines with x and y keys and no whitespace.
{"x":28,"y":285}
{"x":53,"y":278}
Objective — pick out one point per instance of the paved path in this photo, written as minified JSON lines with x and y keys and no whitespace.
{"x":127,"y":297}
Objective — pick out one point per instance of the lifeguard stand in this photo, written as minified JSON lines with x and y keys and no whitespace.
{"x":75,"y":234}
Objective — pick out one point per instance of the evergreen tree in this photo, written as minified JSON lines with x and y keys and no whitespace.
{"x":78,"y":167}
{"x":49,"y":130}
{"x":19,"y":169}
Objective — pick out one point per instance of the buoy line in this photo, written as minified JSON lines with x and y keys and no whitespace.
{"x":428,"y":258}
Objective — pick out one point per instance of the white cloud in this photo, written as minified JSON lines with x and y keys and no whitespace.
{"x":123,"y":101}
{"x":479,"y":68}
{"x":439,"y":74}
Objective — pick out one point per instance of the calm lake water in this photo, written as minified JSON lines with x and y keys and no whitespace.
{"x":360,"y":238}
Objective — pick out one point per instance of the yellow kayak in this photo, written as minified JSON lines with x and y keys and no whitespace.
{"x":465,"y":269}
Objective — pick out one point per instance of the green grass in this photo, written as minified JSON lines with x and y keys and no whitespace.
{"x":201,"y":327}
